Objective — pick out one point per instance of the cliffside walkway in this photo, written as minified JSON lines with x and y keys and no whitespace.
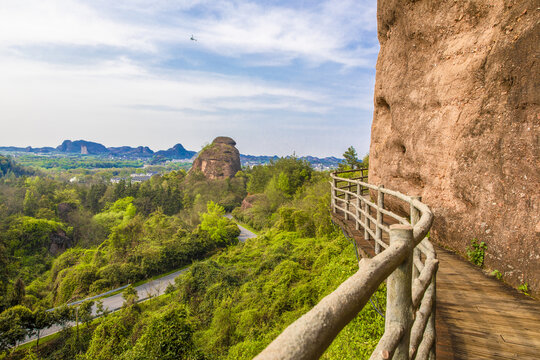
{"x":477,"y":317}
{"x":437,"y":305}
{"x":406,"y":261}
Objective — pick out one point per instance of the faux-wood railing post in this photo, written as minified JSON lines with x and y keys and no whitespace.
{"x":399,"y":310}
{"x":334,"y":186}
{"x":358,"y":195}
{"x":366,"y":221}
{"x":415,"y":217}
{"x":378,"y":230}
{"x":431,"y":322}
{"x":347,"y":208}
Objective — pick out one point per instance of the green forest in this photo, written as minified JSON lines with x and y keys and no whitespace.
{"x":61,"y":242}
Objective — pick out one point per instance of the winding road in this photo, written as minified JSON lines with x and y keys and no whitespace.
{"x":145,"y":291}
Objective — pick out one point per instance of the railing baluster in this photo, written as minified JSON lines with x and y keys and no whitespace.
{"x":366,"y":221}
{"x":431,"y":328}
{"x":415,"y":216}
{"x":378,"y":229}
{"x":358,"y":216}
{"x":334,"y":195}
{"x":399,"y":310}
{"x":347,"y":205}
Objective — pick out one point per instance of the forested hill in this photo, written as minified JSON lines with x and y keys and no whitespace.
{"x":8,"y":166}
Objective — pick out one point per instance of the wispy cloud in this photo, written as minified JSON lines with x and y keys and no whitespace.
{"x":332,"y":31}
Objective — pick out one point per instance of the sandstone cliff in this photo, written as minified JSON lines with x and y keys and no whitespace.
{"x":457,"y":121}
{"x":218,"y":160}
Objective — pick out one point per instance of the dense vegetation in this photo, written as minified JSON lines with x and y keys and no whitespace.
{"x":64,"y":162}
{"x":10,"y":169}
{"x":229,"y":306}
{"x":113,"y":233}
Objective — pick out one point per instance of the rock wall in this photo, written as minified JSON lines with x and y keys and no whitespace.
{"x":218,"y":160}
{"x":457,"y":121}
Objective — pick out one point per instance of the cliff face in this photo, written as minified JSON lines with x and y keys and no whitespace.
{"x":218,"y":160}
{"x":457,"y":121}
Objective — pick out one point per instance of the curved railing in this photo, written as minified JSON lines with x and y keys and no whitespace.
{"x":407,"y":261}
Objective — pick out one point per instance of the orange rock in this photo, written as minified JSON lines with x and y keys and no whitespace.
{"x":465,"y":133}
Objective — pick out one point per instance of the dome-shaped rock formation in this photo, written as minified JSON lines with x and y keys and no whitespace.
{"x":218,"y":160}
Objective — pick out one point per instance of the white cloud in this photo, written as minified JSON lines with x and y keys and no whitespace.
{"x":65,"y":22}
{"x":329,"y":32}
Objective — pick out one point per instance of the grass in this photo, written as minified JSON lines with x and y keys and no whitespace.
{"x":42,"y":341}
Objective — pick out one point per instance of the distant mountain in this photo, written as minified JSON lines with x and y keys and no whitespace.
{"x":326,"y":163}
{"x":27,"y":149}
{"x":263,"y":159}
{"x":82,"y":147}
{"x":128,"y":151}
{"x":176,"y":152}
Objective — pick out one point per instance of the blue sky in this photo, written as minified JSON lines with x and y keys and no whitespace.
{"x":277,"y":76}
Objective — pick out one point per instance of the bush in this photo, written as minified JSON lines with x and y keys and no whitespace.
{"x":476,"y":252}
{"x":168,"y":336}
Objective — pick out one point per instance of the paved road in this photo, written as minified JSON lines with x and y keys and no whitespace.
{"x":244,"y":233}
{"x":145,"y":291}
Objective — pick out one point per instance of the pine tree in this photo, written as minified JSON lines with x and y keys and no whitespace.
{"x":351,"y":158}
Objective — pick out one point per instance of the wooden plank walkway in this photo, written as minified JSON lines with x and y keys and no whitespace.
{"x":477,"y":317}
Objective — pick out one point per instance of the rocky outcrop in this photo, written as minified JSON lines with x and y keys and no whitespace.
{"x":218,"y":160}
{"x":60,"y":242}
{"x":457,"y":121}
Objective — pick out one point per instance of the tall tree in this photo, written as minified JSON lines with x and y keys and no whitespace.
{"x":351,"y":158}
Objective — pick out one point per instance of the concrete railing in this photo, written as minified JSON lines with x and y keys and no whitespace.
{"x":408,"y":263}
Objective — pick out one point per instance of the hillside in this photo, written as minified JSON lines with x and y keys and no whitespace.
{"x":9,"y":167}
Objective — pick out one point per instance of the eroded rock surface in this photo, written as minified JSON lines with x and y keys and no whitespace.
{"x":218,"y":160}
{"x":457,"y":121}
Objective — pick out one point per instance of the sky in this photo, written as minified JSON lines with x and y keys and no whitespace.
{"x":279,"y":77}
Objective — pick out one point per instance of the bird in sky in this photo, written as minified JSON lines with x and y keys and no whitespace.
{"x":192,"y":38}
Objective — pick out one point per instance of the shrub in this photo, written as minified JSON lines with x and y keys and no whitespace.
{"x":476,"y":252}
{"x":497,"y":274}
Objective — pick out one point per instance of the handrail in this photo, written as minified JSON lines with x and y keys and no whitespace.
{"x":408,"y":262}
